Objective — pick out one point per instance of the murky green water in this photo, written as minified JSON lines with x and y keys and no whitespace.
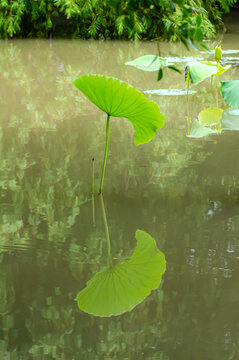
{"x":183,"y":192}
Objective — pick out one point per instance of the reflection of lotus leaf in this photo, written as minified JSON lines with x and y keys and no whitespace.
{"x":198,"y":130}
{"x":210,"y":116}
{"x":117,"y":289}
{"x":230,"y":92}
{"x":171,"y":92}
{"x":230,"y":119}
{"x":119,"y":99}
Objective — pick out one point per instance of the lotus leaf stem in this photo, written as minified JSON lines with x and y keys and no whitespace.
{"x":106,"y":151}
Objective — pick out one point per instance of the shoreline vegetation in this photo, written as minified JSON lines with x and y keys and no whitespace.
{"x":178,"y":20}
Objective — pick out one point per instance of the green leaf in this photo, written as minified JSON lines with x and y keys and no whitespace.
{"x":198,"y":20}
{"x":149,"y":63}
{"x":160,"y":75}
{"x":198,"y":35}
{"x":118,"y":289}
{"x":198,"y":130}
{"x":230,"y":92}
{"x":174,"y":69}
{"x":230,"y":119}
{"x":210,"y":116}
{"x":199,"y":72}
{"x":119,"y":99}
{"x":171,"y":92}
{"x":220,"y":68}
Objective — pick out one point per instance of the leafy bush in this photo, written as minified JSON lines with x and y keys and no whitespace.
{"x":106,"y":19}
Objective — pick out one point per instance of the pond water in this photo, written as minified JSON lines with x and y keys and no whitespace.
{"x":183,"y":192}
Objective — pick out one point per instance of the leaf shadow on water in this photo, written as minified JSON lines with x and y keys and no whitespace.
{"x":117,"y":289}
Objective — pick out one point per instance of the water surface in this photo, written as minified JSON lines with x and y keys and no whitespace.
{"x":183,"y":192}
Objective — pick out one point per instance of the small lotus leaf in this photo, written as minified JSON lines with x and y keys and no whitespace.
{"x":118,"y":289}
{"x":199,"y":72}
{"x":117,"y":98}
{"x":220,"y":68}
{"x":171,"y":92}
{"x":199,"y":131}
{"x":230,"y":119}
{"x":230,"y":92}
{"x":210,"y":116}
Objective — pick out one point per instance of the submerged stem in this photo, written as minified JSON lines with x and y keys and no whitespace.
{"x":106,"y":231}
{"x":106,"y":151}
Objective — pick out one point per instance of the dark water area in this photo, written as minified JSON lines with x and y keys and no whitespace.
{"x":183,"y":192}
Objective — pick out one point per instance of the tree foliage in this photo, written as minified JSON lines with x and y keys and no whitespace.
{"x":106,"y":19}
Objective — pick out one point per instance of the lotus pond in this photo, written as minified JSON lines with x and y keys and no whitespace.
{"x":154,"y":265}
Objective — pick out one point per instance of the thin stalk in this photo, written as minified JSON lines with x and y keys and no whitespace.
{"x":106,"y":231}
{"x":211,"y":82}
{"x":187,"y":80}
{"x":216,"y":93}
{"x":106,"y":151}
{"x":93,"y":192}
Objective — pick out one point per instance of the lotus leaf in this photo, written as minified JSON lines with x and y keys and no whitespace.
{"x":118,"y":289}
{"x":230,"y":92}
{"x":119,"y":99}
{"x":199,"y":72}
{"x":149,"y":63}
{"x":220,"y":68}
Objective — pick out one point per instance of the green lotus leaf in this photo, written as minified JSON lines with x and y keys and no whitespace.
{"x":230,"y":92}
{"x":230,"y":119}
{"x":199,"y":131}
{"x":149,"y":63}
{"x":117,"y":98}
{"x":118,"y":289}
{"x":220,"y":68}
{"x":199,"y":72}
{"x":210,"y":116}
{"x":170,"y":92}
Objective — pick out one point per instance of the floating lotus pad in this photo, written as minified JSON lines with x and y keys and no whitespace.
{"x":183,"y":59}
{"x":226,"y":52}
{"x":119,"y":99}
{"x":170,"y":92}
{"x":118,"y":289}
